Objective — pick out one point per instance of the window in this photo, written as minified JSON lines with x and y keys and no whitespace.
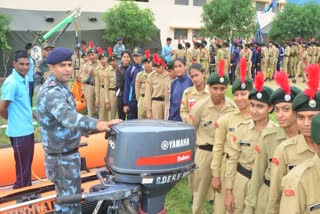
{"x":182,"y":2}
{"x":180,"y":33}
{"x":260,"y":6}
{"x":199,"y":2}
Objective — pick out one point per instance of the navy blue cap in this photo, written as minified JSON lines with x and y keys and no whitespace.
{"x":119,"y":38}
{"x":58,"y":55}
{"x":137,"y":52}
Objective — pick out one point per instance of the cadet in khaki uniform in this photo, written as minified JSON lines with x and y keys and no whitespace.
{"x":299,"y":188}
{"x":141,"y":84}
{"x":180,"y":53}
{"x":258,"y":196}
{"x":111,"y":82}
{"x":157,"y":84}
{"x":241,"y":152}
{"x":220,"y":55}
{"x":204,"y":58}
{"x":88,"y":77}
{"x":227,"y":57}
{"x":318,"y":53}
{"x":295,"y":58}
{"x":224,"y":134}
{"x":194,"y":93}
{"x":188,"y":55}
{"x":100,"y":76}
{"x":273,"y":59}
{"x":295,"y":150}
{"x":302,"y":65}
{"x":310,"y":53}
{"x":248,"y":57}
{"x":286,"y":57}
{"x":196,"y":52}
{"x":204,"y":116}
{"x":264,"y":59}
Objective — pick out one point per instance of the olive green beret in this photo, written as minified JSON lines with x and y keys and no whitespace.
{"x":315,"y":124}
{"x":239,"y":86}
{"x":92,"y":50}
{"x":112,"y":57}
{"x":170,"y":65}
{"x":100,"y":56}
{"x":144,"y":59}
{"x":302,"y":102}
{"x":262,"y":96}
{"x":84,"y":54}
{"x":279,"y":96}
{"x":214,"y":79}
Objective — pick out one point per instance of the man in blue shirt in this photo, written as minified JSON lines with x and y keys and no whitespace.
{"x":15,"y":107}
{"x":167,"y":50}
{"x":30,"y":73}
{"x":234,"y":61}
{"x":119,"y":48}
{"x":129,"y":96}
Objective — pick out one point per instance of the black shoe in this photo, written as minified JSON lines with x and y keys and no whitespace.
{"x":294,"y":81}
{"x":211,"y":202}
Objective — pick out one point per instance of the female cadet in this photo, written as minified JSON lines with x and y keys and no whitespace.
{"x":282,"y":98}
{"x":110,"y":83}
{"x":241,"y":152}
{"x":178,"y":85}
{"x":100,"y":76}
{"x":225,"y":131}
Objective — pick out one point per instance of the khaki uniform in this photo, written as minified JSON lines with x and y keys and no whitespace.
{"x":300,"y":191}
{"x":310,"y":53}
{"x":140,"y":93}
{"x":100,"y":92}
{"x":224,"y":135}
{"x":273,"y":59}
{"x":258,"y":195}
{"x":196,"y":55}
{"x":204,"y":59}
{"x":240,"y":159}
{"x":188,"y":58}
{"x":295,"y":59}
{"x":156,"y":87}
{"x":76,"y":64}
{"x":179,"y":54}
{"x":264,"y":60}
{"x":88,"y":85}
{"x":204,"y":117}
{"x":110,"y":82}
{"x":318,"y":55}
{"x":248,"y":57}
{"x":288,"y":154}
{"x":220,"y":56}
{"x":314,"y":53}
{"x":286,"y":58}
{"x":227,"y":60}
{"x":189,"y":98}
{"x":302,"y":65}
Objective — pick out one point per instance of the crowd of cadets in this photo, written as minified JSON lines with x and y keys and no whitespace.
{"x":245,"y":161}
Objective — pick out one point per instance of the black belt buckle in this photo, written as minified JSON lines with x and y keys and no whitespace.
{"x":206,"y":147}
{"x":158,"y":98}
{"x":243,"y":171}
{"x":267,"y":182}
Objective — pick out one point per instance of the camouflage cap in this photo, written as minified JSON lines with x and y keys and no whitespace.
{"x":47,"y":44}
{"x":315,"y":124}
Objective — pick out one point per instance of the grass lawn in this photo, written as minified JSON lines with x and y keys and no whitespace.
{"x":177,"y":200}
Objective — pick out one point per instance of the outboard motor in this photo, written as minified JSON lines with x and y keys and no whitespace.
{"x":145,"y":158}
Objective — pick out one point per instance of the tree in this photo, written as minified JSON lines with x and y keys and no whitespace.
{"x":296,"y":21}
{"x":4,"y":44}
{"x":229,"y":19}
{"x":126,"y":19}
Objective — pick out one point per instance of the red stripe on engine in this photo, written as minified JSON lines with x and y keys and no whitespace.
{"x":165,"y":159}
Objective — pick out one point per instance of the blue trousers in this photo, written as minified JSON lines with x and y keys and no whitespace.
{"x":133,"y":110}
{"x":23,"y":148}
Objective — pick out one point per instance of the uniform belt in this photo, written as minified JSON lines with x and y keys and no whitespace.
{"x":158,"y":98}
{"x":102,"y":86}
{"x":90,"y":83}
{"x":206,"y":147}
{"x":243,"y":171}
{"x":72,"y":151}
{"x":112,"y":89}
{"x":267,"y":182}
{"x":142,"y":95}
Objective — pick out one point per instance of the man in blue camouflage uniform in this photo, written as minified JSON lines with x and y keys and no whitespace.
{"x":61,"y":128}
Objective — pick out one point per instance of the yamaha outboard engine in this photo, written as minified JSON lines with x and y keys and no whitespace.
{"x":147,"y":156}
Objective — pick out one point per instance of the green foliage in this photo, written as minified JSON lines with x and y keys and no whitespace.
{"x":126,"y":19}
{"x":296,"y":21}
{"x":229,"y":19}
{"x":4,"y":29}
